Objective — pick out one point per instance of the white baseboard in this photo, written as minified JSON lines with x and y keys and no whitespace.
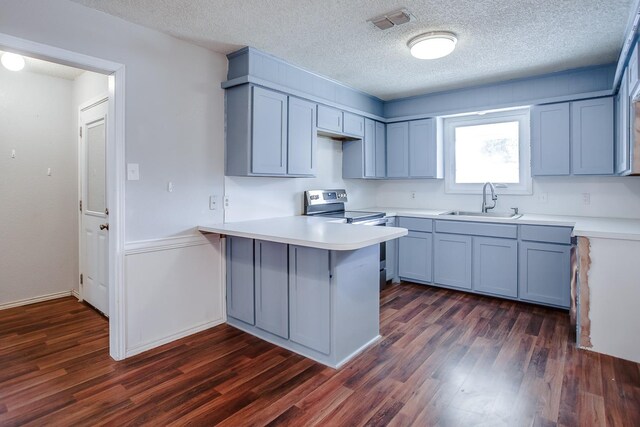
{"x":34,"y":300}
{"x":76,"y":294}
{"x":153,"y":344}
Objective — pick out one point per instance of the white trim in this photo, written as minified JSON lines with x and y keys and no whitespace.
{"x":167,"y":243}
{"x":34,"y":300}
{"x":115,"y":168}
{"x":184,"y":333}
{"x":76,"y":294}
{"x":521,"y":115}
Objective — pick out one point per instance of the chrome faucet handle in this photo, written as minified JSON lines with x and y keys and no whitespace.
{"x":515,"y":211}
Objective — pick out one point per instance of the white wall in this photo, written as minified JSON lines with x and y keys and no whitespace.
{"x":38,"y":213}
{"x":174,"y":130}
{"x":255,"y":198}
{"x":610,"y":196}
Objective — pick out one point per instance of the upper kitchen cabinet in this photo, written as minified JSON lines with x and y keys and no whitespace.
{"x":623,"y":120}
{"x":550,"y":140}
{"x":414,"y":149}
{"x":334,"y":122}
{"x":592,"y":138}
{"x":268,"y":133}
{"x":353,"y":124}
{"x":366,"y":157}
{"x":633,"y":69}
{"x":573,"y":138}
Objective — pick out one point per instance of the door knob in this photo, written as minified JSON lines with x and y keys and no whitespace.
{"x":104,"y":227}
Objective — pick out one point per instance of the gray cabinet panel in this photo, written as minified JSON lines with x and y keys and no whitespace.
{"x":302,"y":137}
{"x":623,"y":146}
{"x":381,"y":150}
{"x":353,"y":124}
{"x":415,"y":256}
{"x":452,"y":260}
{"x":271,"y":287}
{"x":240,"y":277}
{"x":392,"y":252}
{"x":550,"y":140}
{"x":546,"y":233}
{"x":592,"y":136}
{"x":508,"y":231}
{"x":398,"y":150}
{"x":329,"y":119}
{"x":495,"y":266}
{"x":422,"y":149}
{"x":416,"y":224}
{"x":545,"y":273}
{"x":369,"y":148}
{"x":269,"y":132}
{"x":310,"y":298}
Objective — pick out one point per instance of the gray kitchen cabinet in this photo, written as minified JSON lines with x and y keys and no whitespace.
{"x":353,"y":124}
{"x":271,"y":287}
{"x":365,"y":158}
{"x":240,"y":279}
{"x":623,"y":142}
{"x":268,"y":133}
{"x":592,"y":136}
{"x":550,"y":140}
{"x":310,"y":298}
{"x":329,"y":119}
{"x":452,"y":260}
{"x":391,"y":250}
{"x":545,"y":273}
{"x":398,"y":150}
{"x":495,"y":266}
{"x":415,"y":256}
{"x":425,"y":149}
{"x":302,"y":137}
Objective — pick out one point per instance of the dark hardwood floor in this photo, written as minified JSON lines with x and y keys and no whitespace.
{"x":445,"y":358}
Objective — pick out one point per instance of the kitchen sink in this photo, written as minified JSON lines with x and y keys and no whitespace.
{"x":484,"y":214}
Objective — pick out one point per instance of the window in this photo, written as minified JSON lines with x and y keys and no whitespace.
{"x":490,"y":147}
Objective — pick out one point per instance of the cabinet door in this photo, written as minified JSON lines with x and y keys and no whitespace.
{"x":545,"y":273}
{"x":398,"y":150}
{"x":240,"y":289}
{"x":272,"y":294}
{"x":495,"y":266}
{"x":414,"y":256}
{"x":391,"y":252}
{"x":623,"y":163}
{"x":329,"y":119}
{"x":353,"y":124}
{"x":422,"y":149}
{"x":381,"y":150}
{"x":633,"y":67}
{"x":310,"y":298}
{"x":452,"y":260}
{"x":369,"y":147}
{"x":269,"y":132}
{"x":302,"y":137}
{"x":550,"y":140}
{"x":592,"y":136}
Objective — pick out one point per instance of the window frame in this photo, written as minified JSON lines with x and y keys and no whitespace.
{"x":522,"y":116}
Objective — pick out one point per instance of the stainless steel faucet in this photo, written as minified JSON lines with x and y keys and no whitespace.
{"x":494,"y":197}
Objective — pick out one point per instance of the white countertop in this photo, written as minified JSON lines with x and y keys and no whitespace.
{"x":606,"y":228}
{"x":322,"y":233}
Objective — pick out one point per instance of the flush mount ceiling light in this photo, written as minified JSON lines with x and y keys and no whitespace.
{"x":12,"y":61}
{"x":433,"y":45}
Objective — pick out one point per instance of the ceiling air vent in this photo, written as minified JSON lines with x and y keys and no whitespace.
{"x":391,"y":19}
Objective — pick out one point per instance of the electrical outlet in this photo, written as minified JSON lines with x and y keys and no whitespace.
{"x":226,"y":201}
{"x":133,"y":172}
{"x":413,"y":195}
{"x":213,"y":202}
{"x":13,"y":153}
{"x":543,"y":197}
{"x":586,"y":198}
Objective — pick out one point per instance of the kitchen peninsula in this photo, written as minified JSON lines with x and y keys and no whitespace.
{"x":307,"y":284}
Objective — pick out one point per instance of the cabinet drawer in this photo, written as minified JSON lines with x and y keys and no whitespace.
{"x":353,"y":124}
{"x":329,"y":118}
{"x":507,"y":231}
{"x":546,"y":233}
{"x":416,"y":224}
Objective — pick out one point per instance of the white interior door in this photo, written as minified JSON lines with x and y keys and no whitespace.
{"x":94,"y":232}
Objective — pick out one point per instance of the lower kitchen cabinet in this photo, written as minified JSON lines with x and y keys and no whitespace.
{"x":495,"y":266}
{"x":271,"y":287}
{"x":240,"y":289}
{"x":452,"y":260}
{"x":391,"y":252}
{"x":310,"y":298}
{"x":545,"y":273}
{"x":414,"y":260}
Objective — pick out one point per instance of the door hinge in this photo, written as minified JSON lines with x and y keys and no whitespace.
{"x":80,"y":205}
{"x":80,"y":131}
{"x":106,"y":211}
{"x":81,"y":279}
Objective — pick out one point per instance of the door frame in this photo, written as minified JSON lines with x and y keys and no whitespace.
{"x":115,"y":169}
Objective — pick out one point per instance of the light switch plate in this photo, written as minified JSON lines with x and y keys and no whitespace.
{"x":133,"y":172}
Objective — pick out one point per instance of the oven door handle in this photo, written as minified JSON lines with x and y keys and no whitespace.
{"x":377,"y":221}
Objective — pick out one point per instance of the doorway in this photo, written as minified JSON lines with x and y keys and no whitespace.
{"x":110,"y":281}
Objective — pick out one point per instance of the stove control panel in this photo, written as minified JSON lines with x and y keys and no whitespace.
{"x":324,"y":197}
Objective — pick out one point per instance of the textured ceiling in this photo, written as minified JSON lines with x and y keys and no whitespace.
{"x":49,"y":68}
{"x":497,"y":39}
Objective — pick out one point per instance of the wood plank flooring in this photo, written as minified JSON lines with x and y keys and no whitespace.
{"x":445,"y":358}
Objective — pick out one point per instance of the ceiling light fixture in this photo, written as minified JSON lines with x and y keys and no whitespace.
{"x":12,"y":61}
{"x":433,"y":45}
